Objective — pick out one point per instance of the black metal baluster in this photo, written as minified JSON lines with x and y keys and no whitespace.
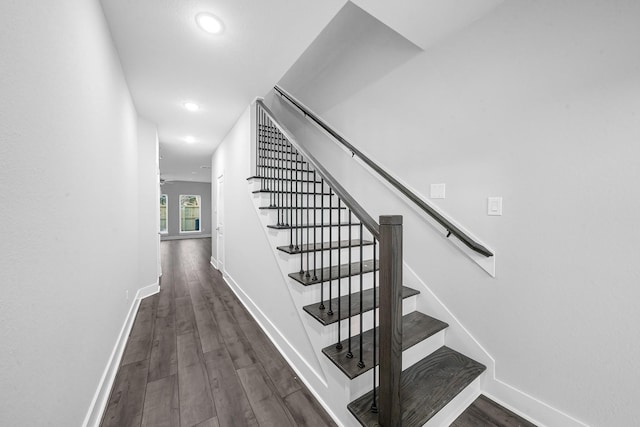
{"x":289,"y":188}
{"x":279,"y":172}
{"x":321,"y":307}
{"x":308,"y":207}
{"x":361,"y":361}
{"x":339,"y":345}
{"x":374,"y":406}
{"x":349,"y":353}
{"x":271,"y":172}
{"x":300,"y":206}
{"x":315,"y":229}
{"x":295,"y":209}
{"x":330,"y":312}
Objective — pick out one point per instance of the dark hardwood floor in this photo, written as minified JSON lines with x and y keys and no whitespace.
{"x":195,"y":357}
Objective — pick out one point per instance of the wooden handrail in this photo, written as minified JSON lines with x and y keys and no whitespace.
{"x":450,"y":227}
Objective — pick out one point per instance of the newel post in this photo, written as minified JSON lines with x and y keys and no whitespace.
{"x":390,"y":313}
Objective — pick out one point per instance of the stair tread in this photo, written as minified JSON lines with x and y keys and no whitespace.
{"x":367,"y":305}
{"x":485,"y":412}
{"x":288,"y":227}
{"x":333,"y":273}
{"x":425,"y":388}
{"x":416,"y":327}
{"x":326,"y":246}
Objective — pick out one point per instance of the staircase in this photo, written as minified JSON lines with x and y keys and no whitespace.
{"x":353,"y":265}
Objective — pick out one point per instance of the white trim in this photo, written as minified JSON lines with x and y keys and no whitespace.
{"x":252,"y":308}
{"x":191,"y":236}
{"x":99,"y":401}
{"x":213,"y":262}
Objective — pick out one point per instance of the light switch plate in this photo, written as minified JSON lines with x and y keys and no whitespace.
{"x":494,"y":206}
{"x":438,"y":191}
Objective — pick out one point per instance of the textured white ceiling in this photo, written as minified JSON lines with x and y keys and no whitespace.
{"x":167,"y":60}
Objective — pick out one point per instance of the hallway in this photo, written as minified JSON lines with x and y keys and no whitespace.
{"x":196,"y":357}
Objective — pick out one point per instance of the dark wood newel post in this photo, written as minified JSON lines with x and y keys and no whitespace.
{"x":390,"y":320}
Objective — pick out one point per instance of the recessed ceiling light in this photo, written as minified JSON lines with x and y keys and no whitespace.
{"x":209,"y":23}
{"x":191,"y":106}
{"x":189,"y":139}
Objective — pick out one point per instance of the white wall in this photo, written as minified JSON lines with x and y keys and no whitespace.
{"x":69,"y":184}
{"x":537,"y":103}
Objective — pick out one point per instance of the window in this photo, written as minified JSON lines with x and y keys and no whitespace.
{"x":163,"y":213}
{"x":189,"y":213}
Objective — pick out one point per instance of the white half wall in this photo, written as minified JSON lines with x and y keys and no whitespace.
{"x":70,"y":185}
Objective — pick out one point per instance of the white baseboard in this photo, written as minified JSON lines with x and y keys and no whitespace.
{"x":186,"y":236}
{"x":214,"y":263}
{"x":99,"y":402}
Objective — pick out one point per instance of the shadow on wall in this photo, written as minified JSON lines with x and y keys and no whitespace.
{"x":352,"y":52}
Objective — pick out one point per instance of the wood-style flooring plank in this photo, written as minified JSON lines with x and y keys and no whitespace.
{"x":306,"y":410}
{"x":241,"y":353}
{"x":141,"y":337}
{"x":185,"y":319}
{"x":126,"y":402}
{"x":163,"y":361}
{"x":281,"y":374}
{"x":231,"y":402}
{"x":267,"y":406}
{"x":196,"y":402}
{"x":211,"y":422}
{"x":161,"y":408}
{"x":189,"y":350}
{"x":207,"y":328}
